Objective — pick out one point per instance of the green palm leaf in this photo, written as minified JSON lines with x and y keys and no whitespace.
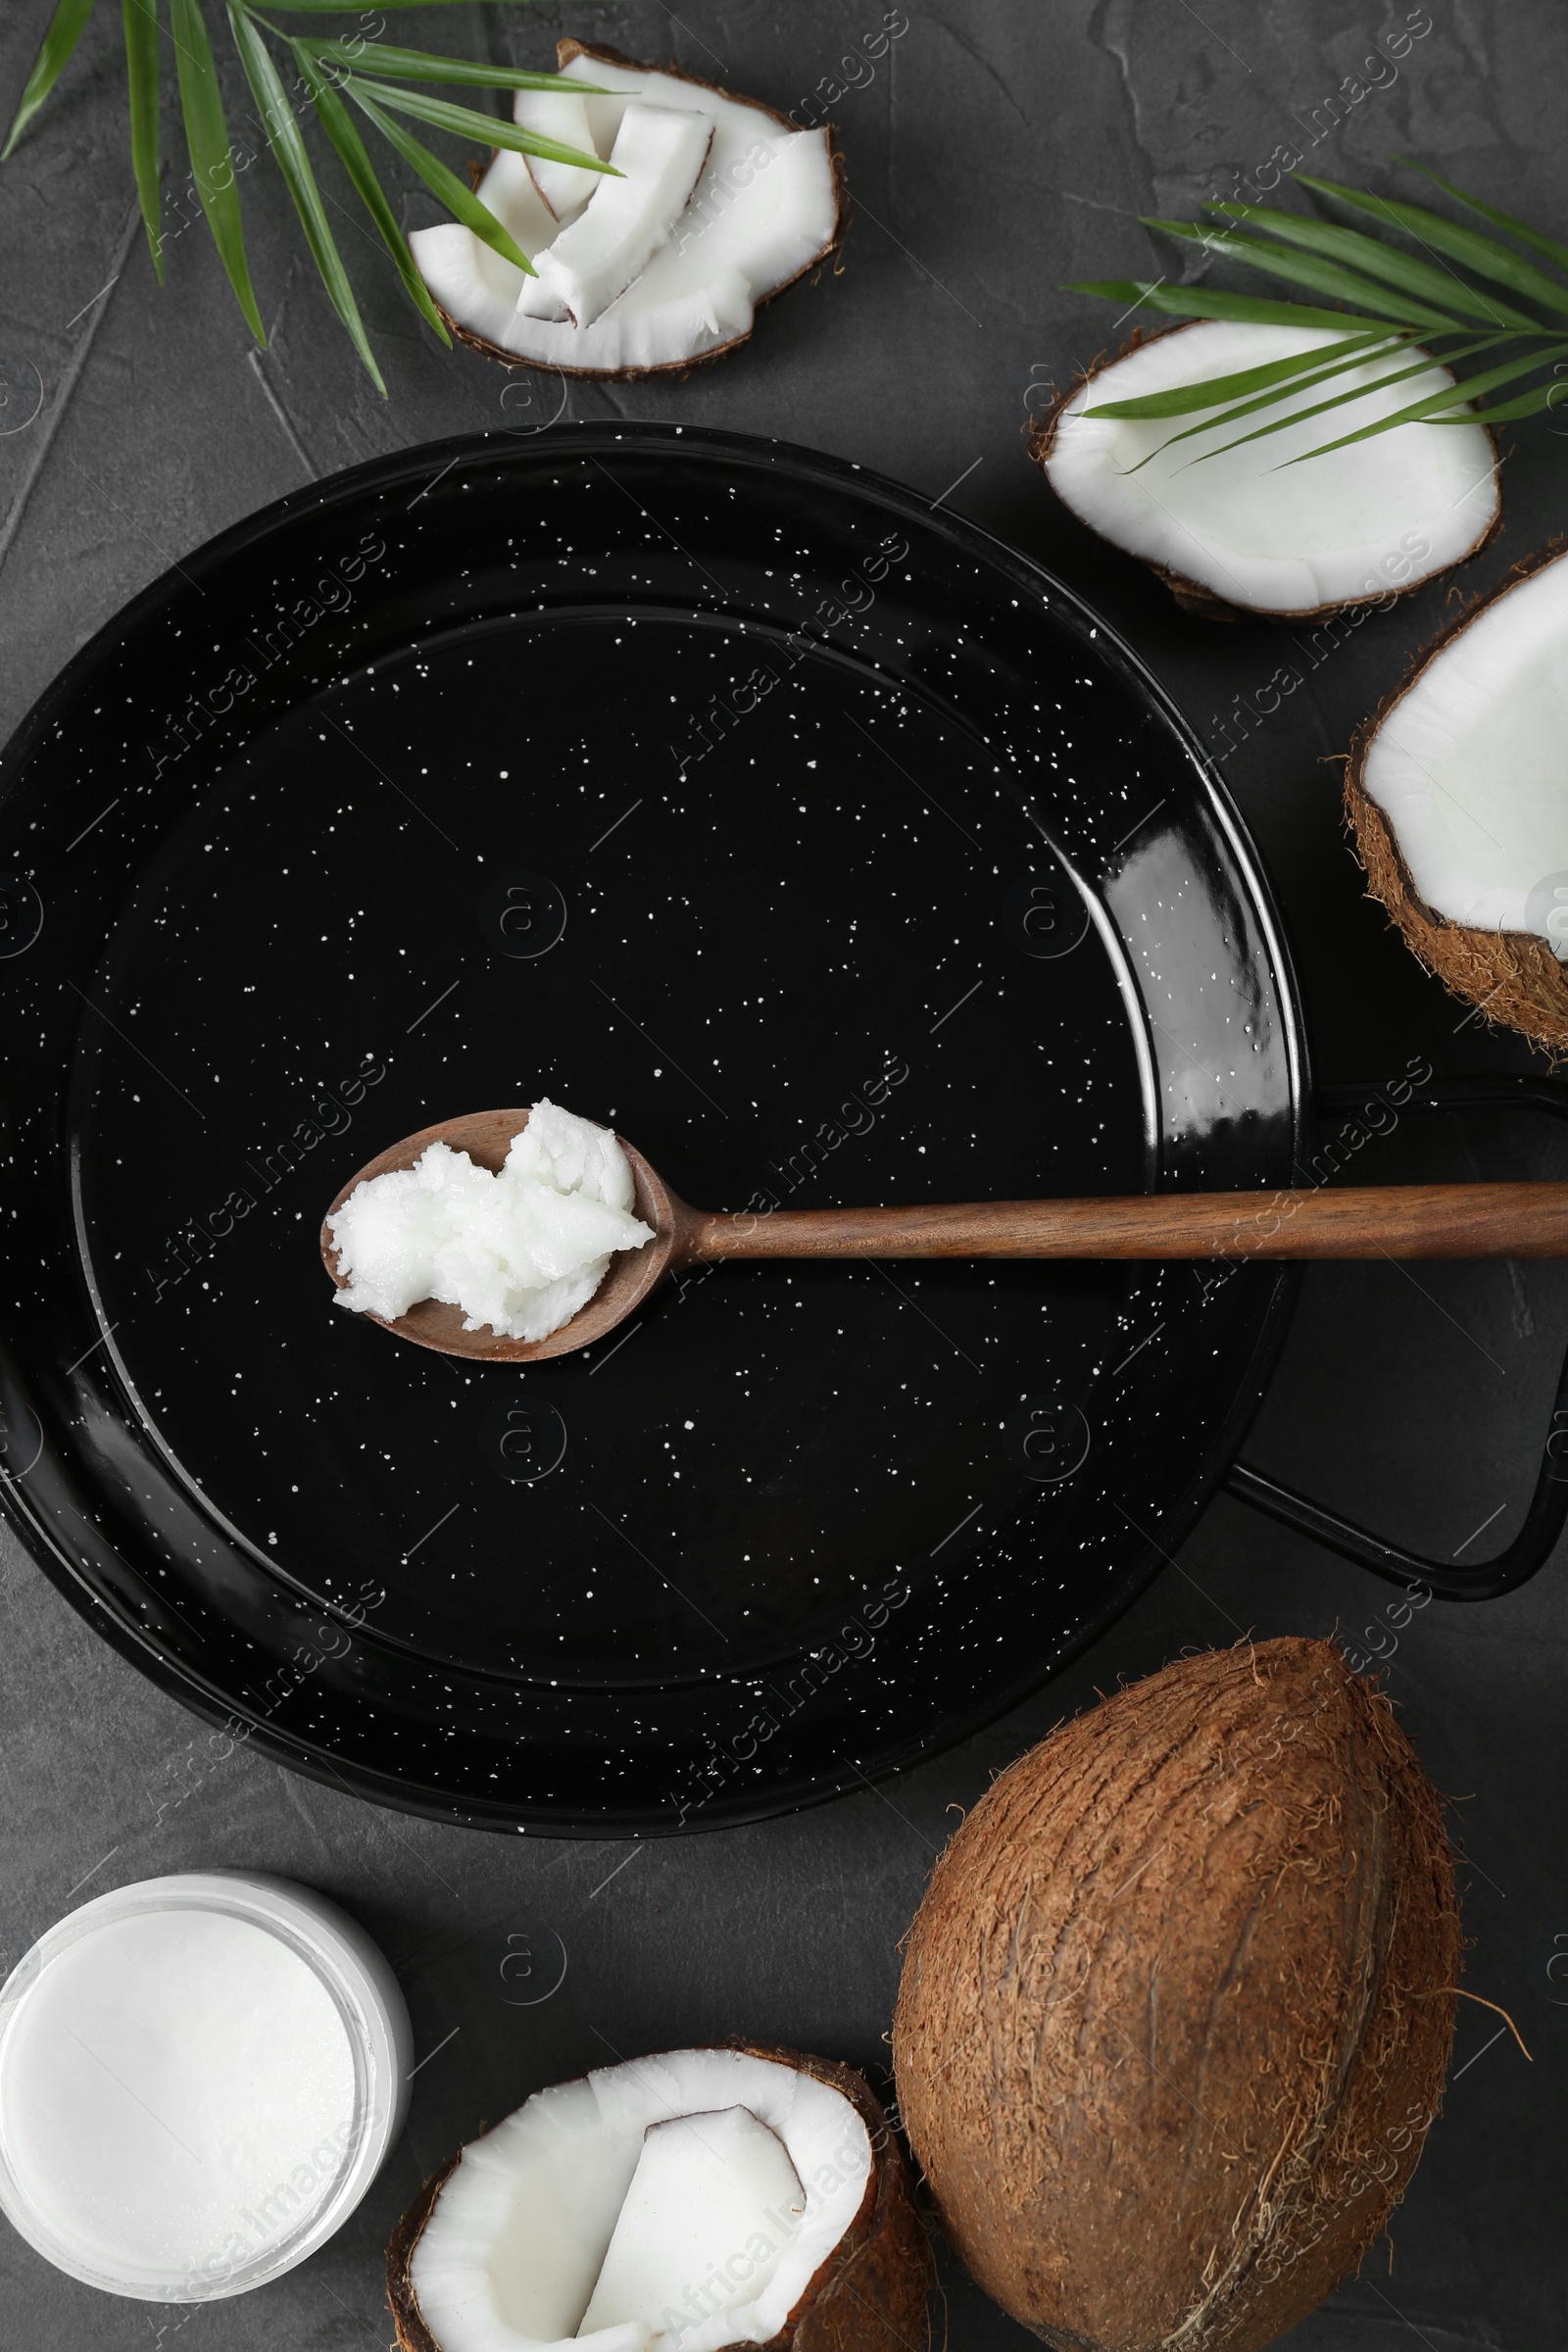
{"x":140,"y":18}
{"x":1434,"y":298}
{"x":425,"y":64}
{"x":65,"y":31}
{"x":1319,"y":408}
{"x":442,"y":184}
{"x":1430,"y":411}
{"x":1548,"y":246}
{"x":331,"y":71}
{"x":340,"y":127}
{"x":288,"y":146}
{"x":1182,"y":399}
{"x":466,"y":124}
{"x":212,"y":154}
{"x":1302,"y":270}
{"x":1528,"y":404}
{"x":1274,"y":395}
{"x":1214,"y":302}
{"x":1423,"y":279}
{"x":1482,"y":255}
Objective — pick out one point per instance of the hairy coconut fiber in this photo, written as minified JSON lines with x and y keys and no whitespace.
{"x":1178,"y":2004}
{"x":1511,"y":977}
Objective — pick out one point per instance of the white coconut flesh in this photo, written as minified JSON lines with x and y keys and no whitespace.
{"x":560,"y":115}
{"x":659,"y":153}
{"x":705,"y":2186}
{"x":763,"y":209}
{"x":1470,"y":768}
{"x":1250,"y":526}
{"x":672,"y":2204}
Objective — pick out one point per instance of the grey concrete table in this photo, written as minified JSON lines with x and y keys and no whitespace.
{"x":1001,"y":147}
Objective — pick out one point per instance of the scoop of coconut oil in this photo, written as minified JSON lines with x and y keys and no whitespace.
{"x":521,"y":1250}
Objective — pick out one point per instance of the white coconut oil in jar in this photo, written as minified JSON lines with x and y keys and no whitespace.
{"x":199,"y":2079}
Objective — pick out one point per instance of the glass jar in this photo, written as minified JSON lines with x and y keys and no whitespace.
{"x":200,"y":2077}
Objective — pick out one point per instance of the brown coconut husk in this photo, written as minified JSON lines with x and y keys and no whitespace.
{"x":565,"y":51}
{"x":869,"y":2295}
{"x":1178,"y":2005}
{"x":1192,"y":595}
{"x":407,"y":2319}
{"x":1512,"y":978}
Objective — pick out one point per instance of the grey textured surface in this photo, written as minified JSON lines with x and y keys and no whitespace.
{"x":1001,"y":147}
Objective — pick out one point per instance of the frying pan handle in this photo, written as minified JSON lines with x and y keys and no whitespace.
{"x":1533,"y":1545}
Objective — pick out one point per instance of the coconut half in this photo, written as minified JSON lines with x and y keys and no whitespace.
{"x":1247,"y":533}
{"x":1456,"y":793}
{"x":691,"y":2202}
{"x":765,"y":209}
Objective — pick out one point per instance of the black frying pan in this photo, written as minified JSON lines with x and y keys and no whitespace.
{"x":734,"y":796}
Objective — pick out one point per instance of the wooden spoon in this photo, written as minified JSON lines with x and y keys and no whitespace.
{"x":1395,"y":1220}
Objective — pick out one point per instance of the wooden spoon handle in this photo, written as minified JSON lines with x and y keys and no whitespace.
{"x":1395,"y":1220}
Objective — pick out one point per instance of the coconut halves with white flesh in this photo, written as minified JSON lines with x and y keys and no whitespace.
{"x":1456,"y":791}
{"x":691,"y":2202}
{"x":1244,"y":532}
{"x":714,"y":214}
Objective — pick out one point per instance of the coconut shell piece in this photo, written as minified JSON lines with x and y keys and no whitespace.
{"x":870,"y":2295}
{"x":565,"y":51}
{"x":1178,"y":2005}
{"x":1193,"y":595}
{"x":412,"y":2333}
{"x":1512,"y":977}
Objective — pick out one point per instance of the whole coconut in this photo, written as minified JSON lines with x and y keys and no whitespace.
{"x":1178,"y":2005}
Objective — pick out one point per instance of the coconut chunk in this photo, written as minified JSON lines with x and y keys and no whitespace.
{"x":767,"y":203}
{"x":560,"y":115}
{"x":685,"y":2203}
{"x":1248,"y":529}
{"x":765,"y":209}
{"x":714,"y":2202}
{"x":659,"y":153}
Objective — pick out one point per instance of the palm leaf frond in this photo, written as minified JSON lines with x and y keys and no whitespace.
{"x":1427,"y":280}
{"x":329,"y":71}
{"x":288,"y":146}
{"x":427,"y":65}
{"x":66,"y":29}
{"x":342,"y":131}
{"x":1548,"y":247}
{"x":1182,"y":399}
{"x":1305,"y":269}
{"x":1443,"y":293}
{"x":1483,"y":255}
{"x":1320,"y":407}
{"x":442,"y":115}
{"x":1214,"y":302}
{"x":140,"y":18}
{"x":211,"y":152}
{"x":443,"y":184}
{"x":1430,"y":410}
